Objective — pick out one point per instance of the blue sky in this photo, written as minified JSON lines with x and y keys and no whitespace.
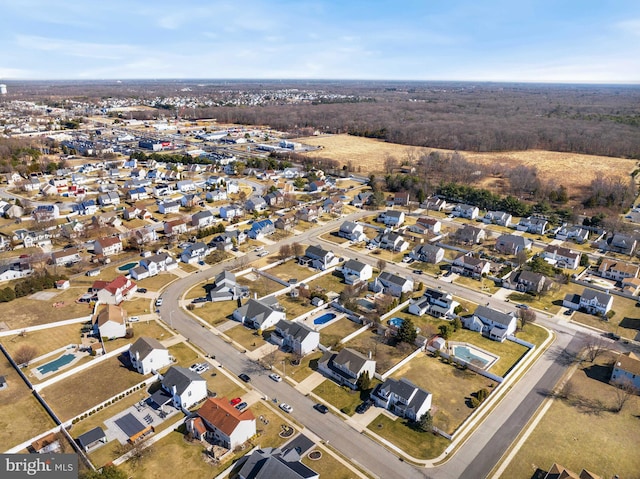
{"x":588,"y":41}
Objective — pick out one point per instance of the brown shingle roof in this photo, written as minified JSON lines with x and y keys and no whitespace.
{"x":219,"y":413}
{"x":628,"y":362}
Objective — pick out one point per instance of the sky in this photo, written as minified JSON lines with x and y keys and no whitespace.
{"x":566,"y":41}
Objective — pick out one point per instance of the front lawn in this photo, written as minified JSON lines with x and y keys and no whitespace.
{"x":451,"y":387}
{"x":327,"y":466}
{"x":485,"y":285}
{"x":418,"y":444}
{"x":533,"y":334}
{"x":307,"y":365}
{"x":341,"y":397}
{"x":157,"y":282}
{"x":591,"y":436}
{"x":216,"y":313}
{"x":247,"y":337}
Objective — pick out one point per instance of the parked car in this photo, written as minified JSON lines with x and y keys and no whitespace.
{"x":262,"y":254}
{"x":159,"y":302}
{"x":285,"y":407}
{"x":201,"y":263}
{"x":199,"y":300}
{"x":275,"y":377}
{"x":202,"y":368}
{"x":235,"y":401}
{"x":241,"y":406}
{"x":244,"y":377}
{"x":134,"y":319}
{"x":417,"y":271}
{"x":321,"y":408}
{"x":364,"y":407}
{"x":195,"y":366}
{"x":141,"y":290}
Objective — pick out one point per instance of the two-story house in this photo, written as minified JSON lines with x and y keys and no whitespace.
{"x":185,"y":387}
{"x":526,"y":281}
{"x":346,"y":366}
{"x":596,"y":302}
{"x":175,"y":227}
{"x":561,"y":257}
{"x":107,"y":246}
{"x":260,"y":229}
{"x":467,"y":265}
{"x":109,"y":198}
{"x":286,"y":222}
{"x":352,"y":231}
{"x":626,"y":371}
{"x":309,"y":213}
{"x":428,"y":253}
{"x":392,"y":284}
{"x":169,"y":207}
{"x":470,"y":235}
{"x":148,"y":354}
{"x":435,"y":302}
{"x":575,"y":233}
{"x":402,"y":398}
{"x":533,"y":225}
{"x":617,"y":270}
{"x":497,"y":217}
{"x":496,"y":324}
{"x":110,"y":321}
{"x":297,"y":337}
{"x":318,"y":258}
{"x":66,"y":256}
{"x":392,"y":218}
{"x":466,"y":211}
{"x":512,"y":244}
{"x":116,"y":291}
{"x":260,"y":313}
{"x":391,"y":241}
{"x":225,"y":288}
{"x":220,"y":423}
{"x":426,"y":225}
{"x":202,"y":219}
{"x":355,"y":271}
{"x":256,"y":203}
{"x":195,"y":252}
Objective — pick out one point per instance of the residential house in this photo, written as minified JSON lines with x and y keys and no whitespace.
{"x":185,"y":387}
{"x":286,"y":222}
{"x":260,"y":229}
{"x":352,"y":231}
{"x":186,"y":186}
{"x":575,"y":233}
{"x":561,"y":257}
{"x":467,"y":265}
{"x":110,"y":321}
{"x":318,"y":258}
{"x":195,"y":252}
{"x":15,"y":270}
{"x":497,"y":325}
{"x":332,"y":205}
{"x":533,"y":225}
{"x":136,"y":194}
{"x":626,"y":371}
{"x":275,"y":198}
{"x":630,"y":286}
{"x":512,"y":244}
{"x":624,"y":244}
{"x":46,"y":213}
{"x":256,"y":203}
{"x":466,"y":211}
{"x":308,"y":213}
{"x":434,"y":203}
{"x":117,"y":291}
{"x":497,"y":217}
{"x":148,"y":355}
{"x":391,"y":218}
{"x":31,"y":184}
{"x":13,"y":211}
{"x":355,"y":271}
{"x":392,"y":284}
{"x":426,"y":225}
{"x":526,"y":281}
{"x":229,"y":212}
{"x":144,"y":235}
{"x":560,"y":472}
{"x":226,"y":288}
{"x":402,"y":398}
{"x":216,"y":195}
{"x":109,"y":198}
{"x":596,"y":302}
{"x":470,"y":235}
{"x":107,"y":246}
{"x":233,"y":187}
{"x":47,"y":444}
{"x":291,"y":173}
{"x":401,"y":198}
{"x":297,"y":337}
{"x":111,"y":219}
{"x":92,"y":439}
{"x":88,"y":207}
{"x":346,"y":366}
{"x":168,"y":207}
{"x":361,"y":199}
{"x":617,"y":270}
{"x":391,"y":240}
{"x":191,"y":200}
{"x":48,"y":190}
{"x":202,"y":219}
{"x":428,"y":253}
{"x":435,"y":302}
{"x":66,"y":256}
{"x":317,"y":186}
{"x":260,"y":313}
{"x":153,"y":265}
{"x":175,"y":227}
{"x":220,"y":423}
{"x":268,"y":463}
{"x":130,"y":213}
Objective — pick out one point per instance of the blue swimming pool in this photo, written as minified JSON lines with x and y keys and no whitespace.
{"x":128,"y":266}
{"x":473,"y":355}
{"x":397,"y":322}
{"x":56,"y":364}
{"x":325,"y":318}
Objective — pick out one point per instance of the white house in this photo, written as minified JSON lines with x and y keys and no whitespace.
{"x":107,"y":246}
{"x":148,"y":354}
{"x":355,"y":271}
{"x":467,"y":265}
{"x":229,"y":212}
{"x":392,"y":218}
{"x":533,"y":225}
{"x":497,"y":325}
{"x":576,"y":233}
{"x":402,"y":398}
{"x":428,"y":253}
{"x":195,"y":252}
{"x":68,"y":255}
{"x":186,"y":387}
{"x":153,"y":265}
{"x":110,"y":322}
{"x":318,"y":258}
{"x":561,"y":257}
{"x":426,"y":225}
{"x":218,"y":422}
{"x":466,"y":211}
{"x":260,"y":313}
{"x":226,"y":288}
{"x":392,"y":284}
{"x":497,"y":217}
{"x":391,"y":241}
{"x":109,"y":198}
{"x":300,"y":338}
{"x":596,"y":302}
{"x":617,"y":270}
{"x":202,"y":219}
{"x":167,"y":207}
{"x":117,"y":291}
{"x":434,"y":302}
{"x":186,"y":186}
{"x":346,"y":366}
{"x":352,"y":231}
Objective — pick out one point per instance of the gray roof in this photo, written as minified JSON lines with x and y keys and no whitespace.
{"x":90,"y":437}
{"x":225,"y":276}
{"x":515,"y":240}
{"x":350,"y":359}
{"x":392,"y":278}
{"x":493,"y":315}
{"x":271,"y":463}
{"x":259,"y":310}
{"x":406,"y":389}
{"x":179,"y":377}
{"x":143,"y":346}
{"x":601,"y":297}
{"x":393,"y":213}
{"x":354,"y":265}
{"x":316,"y":252}
{"x":297,"y":330}
{"x":348,"y":226}
{"x":202,"y":214}
{"x":130,"y":425}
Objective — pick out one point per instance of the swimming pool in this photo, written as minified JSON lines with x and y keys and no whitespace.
{"x":397,"y":322}
{"x":325,"y":318}
{"x":128,"y":266}
{"x":56,"y":364}
{"x":473,"y":355}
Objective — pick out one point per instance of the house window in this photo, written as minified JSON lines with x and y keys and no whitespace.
{"x":189,"y":393}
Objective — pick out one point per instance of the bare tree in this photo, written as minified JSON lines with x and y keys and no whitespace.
{"x":525,"y":316}
{"x":390,"y":164}
{"x":382,"y":264}
{"x":24,"y":354}
{"x":285,"y":251}
{"x":622,"y":394}
{"x":594,"y":348}
{"x":296,"y":249}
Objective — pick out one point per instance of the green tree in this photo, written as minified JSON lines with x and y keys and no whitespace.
{"x":407,"y":332}
{"x":364,"y":381}
{"x":584,"y":260}
{"x":425,"y":422}
{"x":457,"y":324}
{"x":445,"y":331}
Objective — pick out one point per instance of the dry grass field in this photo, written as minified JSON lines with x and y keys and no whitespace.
{"x":370,"y":155}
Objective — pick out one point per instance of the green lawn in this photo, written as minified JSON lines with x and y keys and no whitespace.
{"x":307,"y":366}
{"x":328,"y":466}
{"x":341,"y":397}
{"x":418,"y":444}
{"x":332,"y":334}
{"x":157,"y":282}
{"x":590,"y":436}
{"x":451,"y":388}
{"x":533,"y":334}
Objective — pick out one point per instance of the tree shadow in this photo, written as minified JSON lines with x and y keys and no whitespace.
{"x":630,"y":323}
{"x":563,"y":357}
{"x":599,"y":372}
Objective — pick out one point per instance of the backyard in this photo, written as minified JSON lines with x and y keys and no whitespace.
{"x":291,"y":269}
{"x":331,"y":335}
{"x":43,"y":341}
{"x":591,"y":437}
{"x":295,"y":306}
{"x":383,"y":350}
{"x":328,"y":282}
{"x":328,"y":466}
{"x":259,"y":284}
{"x":451,"y":387}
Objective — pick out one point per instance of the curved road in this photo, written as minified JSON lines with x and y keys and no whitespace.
{"x":474,"y":459}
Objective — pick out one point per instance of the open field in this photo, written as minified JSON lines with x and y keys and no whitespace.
{"x":451,"y":388}
{"x":370,"y":155}
{"x":21,"y":415}
{"x":591,"y":437}
{"x":97,"y":383}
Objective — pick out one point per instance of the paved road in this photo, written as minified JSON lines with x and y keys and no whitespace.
{"x":475,"y":458}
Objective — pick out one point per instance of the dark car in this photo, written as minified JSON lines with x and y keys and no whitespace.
{"x":364,"y":407}
{"x":321,"y":408}
{"x":417,"y":271}
{"x":244,"y":377}
{"x":199,"y":300}
{"x":241,"y":406}
{"x":141,"y":290}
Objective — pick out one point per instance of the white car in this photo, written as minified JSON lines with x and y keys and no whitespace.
{"x":159,"y":302}
{"x":134,"y":319}
{"x":285,"y":407}
{"x":203,"y":367}
{"x":263,"y":253}
{"x":275,"y":377}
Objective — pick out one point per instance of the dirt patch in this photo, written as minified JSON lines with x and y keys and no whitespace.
{"x":44,"y":295}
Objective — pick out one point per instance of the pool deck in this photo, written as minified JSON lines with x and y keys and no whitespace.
{"x":78,"y":356}
{"x":490,"y":357}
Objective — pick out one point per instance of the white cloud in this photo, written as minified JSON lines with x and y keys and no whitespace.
{"x":631,"y":26}
{"x":102,"y":51}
